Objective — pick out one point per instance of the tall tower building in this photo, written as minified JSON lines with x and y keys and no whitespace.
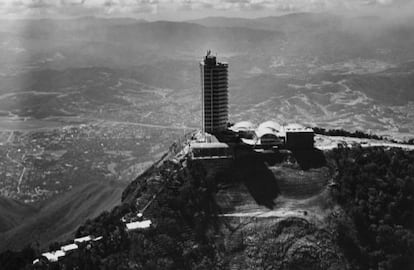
{"x":214,"y":94}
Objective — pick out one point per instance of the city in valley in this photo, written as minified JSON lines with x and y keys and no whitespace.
{"x":40,"y":164}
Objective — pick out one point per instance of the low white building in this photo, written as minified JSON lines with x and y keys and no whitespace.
{"x":54,"y":255}
{"x":83,"y":239}
{"x":69,"y":248}
{"x":138,"y":225}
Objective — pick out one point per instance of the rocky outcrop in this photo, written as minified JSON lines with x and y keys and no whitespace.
{"x":291,"y":243}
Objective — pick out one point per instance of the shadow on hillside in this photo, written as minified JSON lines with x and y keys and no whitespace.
{"x":309,"y":158}
{"x":259,"y":180}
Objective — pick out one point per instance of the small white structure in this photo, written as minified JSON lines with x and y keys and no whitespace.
{"x":54,"y":255}
{"x":69,"y":248}
{"x":83,"y":239}
{"x":138,"y":225}
{"x":99,"y":238}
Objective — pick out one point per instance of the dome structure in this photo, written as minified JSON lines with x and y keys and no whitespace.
{"x":243,"y":126}
{"x":262,"y":131}
{"x":270,"y":125}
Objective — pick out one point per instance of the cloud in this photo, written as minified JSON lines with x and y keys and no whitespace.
{"x":154,"y":8}
{"x":39,"y":4}
{"x":72,"y":2}
{"x":33,"y":8}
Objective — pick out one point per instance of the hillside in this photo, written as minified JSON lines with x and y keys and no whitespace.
{"x":313,"y":210}
{"x":12,"y":213}
{"x":63,"y":214}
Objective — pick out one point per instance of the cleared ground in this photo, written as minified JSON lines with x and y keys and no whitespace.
{"x":284,"y":205}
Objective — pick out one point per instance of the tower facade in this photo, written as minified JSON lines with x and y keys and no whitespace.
{"x":214,"y":94}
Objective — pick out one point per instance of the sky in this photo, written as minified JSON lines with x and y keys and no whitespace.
{"x":191,"y":9}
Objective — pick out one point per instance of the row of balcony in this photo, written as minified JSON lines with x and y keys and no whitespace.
{"x":216,"y":119}
{"x":215,"y":113}
{"x":216,"y":100}
{"x":215,"y":106}
{"x":215,"y":93}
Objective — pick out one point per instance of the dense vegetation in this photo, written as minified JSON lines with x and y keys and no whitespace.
{"x":376,"y":189}
{"x":344,"y":133}
{"x":17,"y":260}
{"x":357,"y":134}
{"x":182,"y":237}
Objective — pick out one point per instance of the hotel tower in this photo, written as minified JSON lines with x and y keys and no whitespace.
{"x":214,"y":94}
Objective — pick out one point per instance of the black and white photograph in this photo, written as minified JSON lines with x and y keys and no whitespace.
{"x":207,"y":134}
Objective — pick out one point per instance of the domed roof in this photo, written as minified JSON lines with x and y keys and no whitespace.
{"x":261,"y":131}
{"x":270,"y":124}
{"x":243,"y":125}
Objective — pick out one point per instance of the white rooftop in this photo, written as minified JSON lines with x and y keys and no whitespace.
{"x":208,"y":145}
{"x":138,"y":225}
{"x":260,"y":131}
{"x":98,"y":238}
{"x":54,"y":256}
{"x":69,"y":247}
{"x":271,"y":125}
{"x":83,"y":239}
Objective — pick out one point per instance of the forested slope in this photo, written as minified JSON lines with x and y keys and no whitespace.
{"x":376,"y":189}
